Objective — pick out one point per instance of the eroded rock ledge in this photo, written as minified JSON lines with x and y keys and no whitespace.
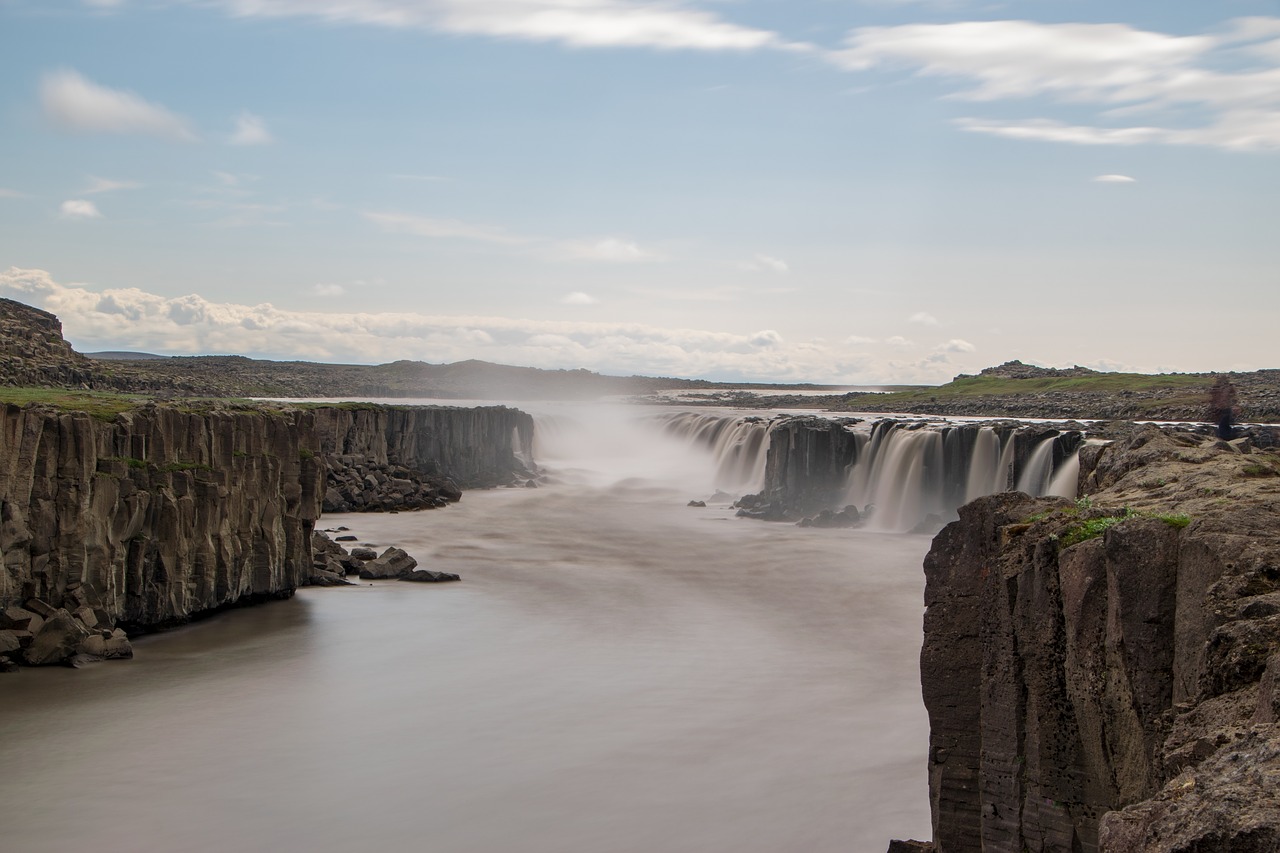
{"x":1104,"y":675}
{"x":164,"y":513}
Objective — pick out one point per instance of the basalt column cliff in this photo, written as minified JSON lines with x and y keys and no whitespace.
{"x":1105,"y":674}
{"x":161,"y":513}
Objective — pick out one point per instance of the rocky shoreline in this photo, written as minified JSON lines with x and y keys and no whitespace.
{"x":162,"y":514}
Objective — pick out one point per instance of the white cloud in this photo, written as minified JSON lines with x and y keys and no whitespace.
{"x":75,"y":103}
{"x":250,"y":130}
{"x":608,"y":249}
{"x":923,"y":318}
{"x":1118,"y":68}
{"x":578,"y":23}
{"x":327,"y":290}
{"x":8,"y":193}
{"x":441,"y":229}
{"x":859,"y":340}
{"x":105,"y":185}
{"x":957,"y":345}
{"x":130,"y":318}
{"x":578,"y":298}
{"x":766,"y":262}
{"x":78,"y":208}
{"x":1114,"y":179}
{"x":767,"y":338}
{"x":899,"y":341}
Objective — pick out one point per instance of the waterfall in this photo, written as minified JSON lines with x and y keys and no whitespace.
{"x":902,"y":478}
{"x":738,"y":446}
{"x":898,"y":474}
{"x":988,"y":469}
{"x":1035,"y":476}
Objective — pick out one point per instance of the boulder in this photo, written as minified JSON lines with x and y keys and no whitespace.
{"x":393,"y":563}
{"x":428,"y":576}
{"x":41,"y":608}
{"x":59,"y":638}
{"x":696,"y":503}
{"x":9,"y":642}
{"x":363,"y":553}
{"x":16,"y":618}
{"x":117,"y":646}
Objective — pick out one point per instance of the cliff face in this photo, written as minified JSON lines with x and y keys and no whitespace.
{"x":33,"y":351}
{"x":160,"y":513}
{"x":476,"y":448}
{"x":1103,"y":675}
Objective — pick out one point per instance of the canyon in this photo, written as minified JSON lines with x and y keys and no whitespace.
{"x":1101,"y":651}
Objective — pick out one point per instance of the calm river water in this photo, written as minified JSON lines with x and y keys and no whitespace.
{"x":616,"y":673}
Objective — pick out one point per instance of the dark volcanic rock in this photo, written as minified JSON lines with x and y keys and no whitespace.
{"x":392,"y":563}
{"x":427,"y":576}
{"x":1101,"y":676}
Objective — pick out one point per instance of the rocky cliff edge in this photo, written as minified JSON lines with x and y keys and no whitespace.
{"x":1104,"y":675}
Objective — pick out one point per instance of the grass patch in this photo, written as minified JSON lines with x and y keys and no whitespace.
{"x":98,"y":404}
{"x":305,"y":454}
{"x":1095,"y":527}
{"x":172,"y":467}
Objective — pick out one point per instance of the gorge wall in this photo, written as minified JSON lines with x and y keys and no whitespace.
{"x":1105,"y":675}
{"x":161,"y":513}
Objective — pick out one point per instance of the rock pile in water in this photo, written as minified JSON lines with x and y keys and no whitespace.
{"x":365,"y":485}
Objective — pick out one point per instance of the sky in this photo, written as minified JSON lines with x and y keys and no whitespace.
{"x":833,"y":191}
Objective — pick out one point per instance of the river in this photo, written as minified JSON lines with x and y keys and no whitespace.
{"x":616,"y":673}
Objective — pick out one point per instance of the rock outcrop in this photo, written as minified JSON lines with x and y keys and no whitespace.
{"x":1102,"y":675}
{"x":163,"y":513}
{"x":33,"y":351}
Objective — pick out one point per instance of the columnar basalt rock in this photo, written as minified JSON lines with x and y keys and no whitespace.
{"x":163,"y":513}
{"x":1100,"y":676}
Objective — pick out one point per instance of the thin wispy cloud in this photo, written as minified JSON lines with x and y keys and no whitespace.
{"x":578,"y":298}
{"x":106,"y":185}
{"x":672,"y":25}
{"x":609,"y":249}
{"x":79,"y":208}
{"x":442,"y":229}
{"x":923,"y":318}
{"x":1119,"y":69}
{"x":250,"y":130}
{"x":8,"y":193}
{"x":1114,"y":179}
{"x":762,"y":262}
{"x":327,"y":290}
{"x":72,"y":102}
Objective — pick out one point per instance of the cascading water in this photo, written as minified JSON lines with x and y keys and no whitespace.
{"x":903,"y":473}
{"x":1035,"y":476}
{"x":738,"y":446}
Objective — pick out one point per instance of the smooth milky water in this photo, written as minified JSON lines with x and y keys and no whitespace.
{"x":616,"y":673}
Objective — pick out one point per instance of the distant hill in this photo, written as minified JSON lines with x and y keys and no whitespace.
{"x":121,"y":355}
{"x":33,"y":352}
